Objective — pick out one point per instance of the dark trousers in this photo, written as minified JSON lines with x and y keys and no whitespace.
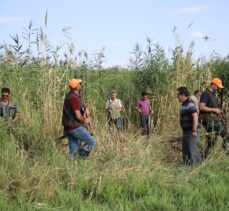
{"x":115,"y":122}
{"x":145,"y":124}
{"x":190,"y":149}
{"x":219,"y":129}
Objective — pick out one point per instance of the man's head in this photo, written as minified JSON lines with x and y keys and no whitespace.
{"x":5,"y":94}
{"x":197,"y":94}
{"x":216,"y":84}
{"x":113,"y":94}
{"x":144,"y":95}
{"x":75,"y":84}
{"x":182,"y":93}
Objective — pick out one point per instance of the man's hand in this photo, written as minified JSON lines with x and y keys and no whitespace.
{"x":194,"y":133}
{"x":87,"y":120}
{"x":10,"y":124}
{"x":109,"y":110}
{"x":217,"y":111}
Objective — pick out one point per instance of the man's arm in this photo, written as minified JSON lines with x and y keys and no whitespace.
{"x":108,"y":108}
{"x":204,"y":108}
{"x":121,"y":107}
{"x":75,"y":106}
{"x":150,"y":107}
{"x":195,"y":124}
{"x":137,"y":107}
{"x":204,"y":99}
{"x":15,"y":119}
{"x":79,"y":116}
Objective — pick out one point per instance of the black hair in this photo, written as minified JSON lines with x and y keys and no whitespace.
{"x":5,"y":90}
{"x":183,"y":90}
{"x":196,"y":92}
{"x":144,"y":93}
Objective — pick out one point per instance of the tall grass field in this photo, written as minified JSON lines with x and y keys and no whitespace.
{"x":125,"y":171}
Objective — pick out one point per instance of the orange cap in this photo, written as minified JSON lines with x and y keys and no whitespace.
{"x":217,"y":82}
{"x":73,"y":83}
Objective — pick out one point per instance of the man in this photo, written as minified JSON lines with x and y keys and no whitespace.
{"x":144,"y":108}
{"x":196,"y":97}
{"x":74,"y":121}
{"x":190,"y":127}
{"x":114,"y":108}
{"x":8,"y":110}
{"x":211,"y":115}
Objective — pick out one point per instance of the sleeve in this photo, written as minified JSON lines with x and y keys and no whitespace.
{"x":16,"y":109}
{"x":151,"y":103}
{"x":107,"y":105}
{"x":75,"y":104}
{"x":192,"y":108}
{"x":120,"y":104}
{"x":204,"y":98}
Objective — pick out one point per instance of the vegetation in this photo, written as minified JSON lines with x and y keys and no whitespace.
{"x":126,"y":171}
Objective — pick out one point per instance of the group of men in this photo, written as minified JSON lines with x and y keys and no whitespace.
{"x":193,"y":114}
{"x":207,"y":112}
{"x":76,"y":116}
{"x":114,"y":108}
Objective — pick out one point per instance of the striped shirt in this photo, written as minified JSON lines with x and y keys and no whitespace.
{"x":186,"y":119}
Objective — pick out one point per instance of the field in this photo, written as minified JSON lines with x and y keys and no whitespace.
{"x":126,"y":171}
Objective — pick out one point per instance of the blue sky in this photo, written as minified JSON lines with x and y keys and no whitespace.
{"x":118,"y":25}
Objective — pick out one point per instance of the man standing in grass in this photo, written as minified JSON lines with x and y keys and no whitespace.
{"x":190,"y":126}
{"x":8,"y":110}
{"x":211,"y":115}
{"x":144,"y":108}
{"x":196,"y":97}
{"x":114,"y":108}
{"x":74,"y":121}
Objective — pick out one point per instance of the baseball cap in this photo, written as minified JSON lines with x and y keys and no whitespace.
{"x":73,"y":83}
{"x":217,"y":82}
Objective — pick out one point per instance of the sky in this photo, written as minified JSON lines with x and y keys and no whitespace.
{"x":117,"y":25}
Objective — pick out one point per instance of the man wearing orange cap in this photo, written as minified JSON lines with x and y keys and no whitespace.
{"x":210,"y":113}
{"x":74,"y":121}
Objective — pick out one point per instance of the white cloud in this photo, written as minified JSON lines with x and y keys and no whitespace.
{"x":197,"y":34}
{"x":188,"y":10}
{"x":5,"y":20}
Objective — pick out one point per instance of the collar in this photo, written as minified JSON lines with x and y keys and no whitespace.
{"x":112,"y":100}
{"x":186,"y":101}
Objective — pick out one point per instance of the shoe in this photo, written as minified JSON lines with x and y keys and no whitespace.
{"x":83,"y":152}
{"x":225,"y":145}
{"x":71,"y":157}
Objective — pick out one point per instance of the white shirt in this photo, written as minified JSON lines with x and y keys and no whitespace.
{"x":115,"y":106}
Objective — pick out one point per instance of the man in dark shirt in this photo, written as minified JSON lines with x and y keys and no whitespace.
{"x":74,"y":121}
{"x":8,"y":110}
{"x":211,"y":115}
{"x":190,"y":127}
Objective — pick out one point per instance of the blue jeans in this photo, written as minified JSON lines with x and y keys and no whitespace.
{"x":75,"y":139}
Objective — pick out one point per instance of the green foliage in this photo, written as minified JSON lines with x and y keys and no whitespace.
{"x":220,"y":69}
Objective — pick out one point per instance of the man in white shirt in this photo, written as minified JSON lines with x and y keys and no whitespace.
{"x":114,"y":108}
{"x":196,"y":97}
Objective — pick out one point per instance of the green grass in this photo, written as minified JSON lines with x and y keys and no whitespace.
{"x":134,"y":176}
